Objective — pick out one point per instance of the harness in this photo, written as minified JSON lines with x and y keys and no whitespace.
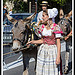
{"x":17,"y":39}
{"x":28,"y":36}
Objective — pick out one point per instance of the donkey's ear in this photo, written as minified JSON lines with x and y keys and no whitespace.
{"x":11,"y":19}
{"x":30,"y":17}
{"x":61,"y":13}
{"x":69,"y":14}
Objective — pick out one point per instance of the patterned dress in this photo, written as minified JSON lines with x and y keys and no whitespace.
{"x":47,"y":53}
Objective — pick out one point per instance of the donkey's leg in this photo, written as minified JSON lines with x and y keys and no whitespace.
{"x":25,"y":64}
{"x":35,"y":61}
{"x":66,"y":59}
{"x":36,"y":57}
{"x":25,"y":72}
{"x":66,"y":62}
{"x":68,"y":43}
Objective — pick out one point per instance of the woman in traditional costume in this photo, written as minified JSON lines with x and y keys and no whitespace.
{"x":49,"y":53}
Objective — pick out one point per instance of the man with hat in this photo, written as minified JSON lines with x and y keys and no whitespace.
{"x":4,"y":16}
{"x":51,"y":12}
{"x":44,"y":7}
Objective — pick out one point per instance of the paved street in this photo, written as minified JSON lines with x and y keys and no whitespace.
{"x":13,"y":66}
{"x":19,"y":70}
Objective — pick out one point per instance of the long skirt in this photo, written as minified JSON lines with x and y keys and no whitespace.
{"x":46,"y":60}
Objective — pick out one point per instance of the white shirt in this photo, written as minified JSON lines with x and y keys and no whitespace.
{"x":39,"y":17}
{"x":10,"y":12}
{"x":46,"y":32}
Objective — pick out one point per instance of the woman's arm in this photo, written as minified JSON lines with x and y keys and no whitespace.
{"x":58,"y":51}
{"x":70,"y":34}
{"x":36,"y":41}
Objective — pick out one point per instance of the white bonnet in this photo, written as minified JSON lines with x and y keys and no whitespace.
{"x":52,"y":12}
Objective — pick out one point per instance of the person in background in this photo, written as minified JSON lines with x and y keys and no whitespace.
{"x":4,"y":14}
{"x":49,"y":53}
{"x":44,"y":7}
{"x":4,"y":11}
{"x":40,"y":21}
{"x":10,"y":12}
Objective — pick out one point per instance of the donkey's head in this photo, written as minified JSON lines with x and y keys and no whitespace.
{"x":19,"y":31}
{"x":65,"y":22}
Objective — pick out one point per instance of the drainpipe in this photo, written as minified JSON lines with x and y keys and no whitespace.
{"x":29,"y":7}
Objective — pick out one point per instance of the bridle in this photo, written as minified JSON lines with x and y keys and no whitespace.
{"x":17,"y":39}
{"x":23,"y":41}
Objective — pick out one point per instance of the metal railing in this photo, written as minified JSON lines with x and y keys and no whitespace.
{"x":7,"y":34}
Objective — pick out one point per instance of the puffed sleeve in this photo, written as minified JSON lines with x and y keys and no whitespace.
{"x":57,"y":31}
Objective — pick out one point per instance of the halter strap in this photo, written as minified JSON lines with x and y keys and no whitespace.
{"x":17,"y":39}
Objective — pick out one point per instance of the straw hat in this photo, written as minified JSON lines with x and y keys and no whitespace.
{"x":44,"y":3}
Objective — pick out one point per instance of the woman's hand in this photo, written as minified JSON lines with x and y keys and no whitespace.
{"x":30,"y":42}
{"x":35,"y":42}
{"x":66,"y":37}
{"x":57,"y":60}
{"x":70,"y":34}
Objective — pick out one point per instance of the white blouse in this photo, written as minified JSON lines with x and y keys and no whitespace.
{"x":46,"y":32}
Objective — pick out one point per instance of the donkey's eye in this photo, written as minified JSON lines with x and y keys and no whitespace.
{"x":21,"y":32}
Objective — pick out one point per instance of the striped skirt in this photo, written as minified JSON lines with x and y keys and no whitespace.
{"x":46,"y":60}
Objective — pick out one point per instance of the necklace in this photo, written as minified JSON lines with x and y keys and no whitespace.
{"x":49,"y":26}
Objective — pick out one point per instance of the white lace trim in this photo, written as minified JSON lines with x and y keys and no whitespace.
{"x":46,"y":32}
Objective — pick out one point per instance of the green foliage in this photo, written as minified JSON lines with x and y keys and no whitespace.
{"x":19,"y":6}
{"x":60,"y":2}
{"x":4,"y":1}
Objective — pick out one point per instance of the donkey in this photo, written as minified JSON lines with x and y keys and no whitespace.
{"x":21,"y":35}
{"x":66,"y":25}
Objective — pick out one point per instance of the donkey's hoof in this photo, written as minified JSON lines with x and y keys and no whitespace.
{"x":66,"y":70}
{"x":34,"y":70}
